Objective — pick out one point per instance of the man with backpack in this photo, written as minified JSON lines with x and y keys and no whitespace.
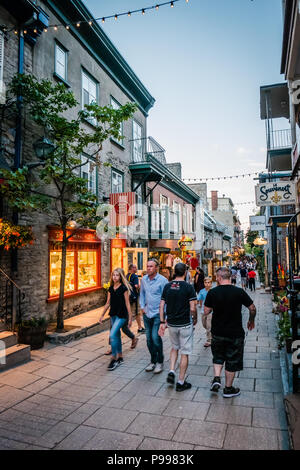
{"x":133,"y":298}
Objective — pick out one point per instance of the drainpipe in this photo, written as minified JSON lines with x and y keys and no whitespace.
{"x":18,"y":141}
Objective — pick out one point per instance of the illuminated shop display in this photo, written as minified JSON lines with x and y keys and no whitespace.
{"x":82,"y":263}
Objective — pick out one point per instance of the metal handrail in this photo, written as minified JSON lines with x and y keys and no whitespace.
{"x":279,"y":139}
{"x":16,"y":296}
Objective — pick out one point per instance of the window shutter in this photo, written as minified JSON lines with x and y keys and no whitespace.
{"x":1,"y":65}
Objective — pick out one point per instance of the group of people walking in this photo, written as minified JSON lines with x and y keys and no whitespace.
{"x":245,"y":273}
{"x":174,"y":306}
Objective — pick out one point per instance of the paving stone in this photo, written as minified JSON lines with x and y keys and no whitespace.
{"x":86,"y":355}
{"x":82,"y":414}
{"x":253,"y":373}
{"x":258,"y":399}
{"x":201,"y":433}
{"x":75,"y":377}
{"x":7,"y":444}
{"x":246,"y":438}
{"x":159,"y":444}
{"x":112,"y":440}
{"x":143,"y":388}
{"x":230,"y":414}
{"x":168,"y":391}
{"x":199,"y":381}
{"x":205,"y":448}
{"x":268,"y":385}
{"x":111,"y":418}
{"x":153,"y":405}
{"x":244,"y":384}
{"x":70,"y":392}
{"x":39,"y":385}
{"x":275,"y":364}
{"x":276,"y":374}
{"x":275,"y":419}
{"x":56,"y":434}
{"x":204,"y":395}
{"x":161,"y":427}
{"x":17,"y":380}
{"x":77,"y":364}
{"x":186,"y":409}
{"x":103,"y":396}
{"x":31,"y":366}
{"x":53,"y":372}
{"x":198,"y":370}
{"x":77,"y":438}
{"x":9,"y":396}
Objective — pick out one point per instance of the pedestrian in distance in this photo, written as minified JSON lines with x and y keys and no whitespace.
{"x":233,"y":275}
{"x":179,"y":298}
{"x":244,"y":273}
{"x":228,"y":335}
{"x":188,"y":274}
{"x":206,"y":319}
{"x":120,"y":314}
{"x":152,"y":286}
{"x":133,"y":279}
{"x":199,"y":280}
{"x":251,"y":279}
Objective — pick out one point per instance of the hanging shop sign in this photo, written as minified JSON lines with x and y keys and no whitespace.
{"x":275,"y":194}
{"x":185,"y":243}
{"x":257,"y":223}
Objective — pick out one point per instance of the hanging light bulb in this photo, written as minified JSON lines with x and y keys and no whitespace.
{"x":67,"y":27}
{"x":35,"y":30}
{"x":55,"y":28}
{"x":157,"y":7}
{"x":129,"y":13}
{"x":25,"y":31}
{"x":172,"y":4}
{"x":116,"y":17}
{"x":90,"y":23}
{"x":78,"y":24}
{"x":15,"y":31}
{"x":103,"y":20}
{"x":143,"y":11}
{"x":45,"y":30}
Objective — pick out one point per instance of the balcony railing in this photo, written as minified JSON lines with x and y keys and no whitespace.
{"x":277,"y":140}
{"x":145,"y":148}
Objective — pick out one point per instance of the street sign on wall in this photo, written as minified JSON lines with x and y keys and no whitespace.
{"x":257,"y":222}
{"x":275,"y":194}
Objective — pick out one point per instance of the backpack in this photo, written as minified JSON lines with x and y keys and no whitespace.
{"x":133,"y":294}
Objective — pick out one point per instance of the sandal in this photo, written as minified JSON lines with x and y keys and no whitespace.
{"x":108,"y":352}
{"x":207,"y":345}
{"x":134,"y":343}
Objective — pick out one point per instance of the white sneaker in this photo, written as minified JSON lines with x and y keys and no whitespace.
{"x":150,"y":367}
{"x":158,"y":368}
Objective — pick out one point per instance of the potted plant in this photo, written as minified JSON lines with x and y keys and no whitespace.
{"x":106,"y":286}
{"x":284,"y":336}
{"x":32,"y":331}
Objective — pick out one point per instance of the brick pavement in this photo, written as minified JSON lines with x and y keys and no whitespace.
{"x":66,"y":399}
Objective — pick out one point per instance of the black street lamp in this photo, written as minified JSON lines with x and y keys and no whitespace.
{"x":43,"y":147}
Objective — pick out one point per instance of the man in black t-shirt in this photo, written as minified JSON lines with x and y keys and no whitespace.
{"x":133,"y":298}
{"x":180,"y":298}
{"x":228,"y":335}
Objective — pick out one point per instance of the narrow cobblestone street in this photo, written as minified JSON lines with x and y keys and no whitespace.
{"x":66,"y":399}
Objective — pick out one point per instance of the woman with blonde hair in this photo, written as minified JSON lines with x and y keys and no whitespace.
{"x":120,"y":313}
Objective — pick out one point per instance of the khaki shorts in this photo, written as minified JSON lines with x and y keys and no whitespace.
{"x":182,"y":338}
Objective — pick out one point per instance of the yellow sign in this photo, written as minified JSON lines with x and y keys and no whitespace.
{"x":185,"y":243}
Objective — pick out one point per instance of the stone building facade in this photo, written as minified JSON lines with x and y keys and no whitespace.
{"x":80,"y":55}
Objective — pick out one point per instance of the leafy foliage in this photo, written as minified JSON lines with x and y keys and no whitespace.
{"x":14,"y":236}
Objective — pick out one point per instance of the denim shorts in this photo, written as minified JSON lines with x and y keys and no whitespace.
{"x":182,"y":338}
{"x":228,"y":350}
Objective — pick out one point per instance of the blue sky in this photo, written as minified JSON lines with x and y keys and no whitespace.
{"x":204,"y":63}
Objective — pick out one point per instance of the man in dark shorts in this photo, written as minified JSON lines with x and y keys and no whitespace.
{"x":226,"y":301}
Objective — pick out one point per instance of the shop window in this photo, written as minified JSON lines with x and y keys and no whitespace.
{"x":82,"y":268}
{"x":87,"y":269}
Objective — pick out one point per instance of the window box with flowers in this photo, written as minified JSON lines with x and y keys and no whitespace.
{"x":14,"y":236}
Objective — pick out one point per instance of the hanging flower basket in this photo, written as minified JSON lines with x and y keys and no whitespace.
{"x":14,"y":236}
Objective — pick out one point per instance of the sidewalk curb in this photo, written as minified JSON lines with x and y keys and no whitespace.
{"x":77,"y":333}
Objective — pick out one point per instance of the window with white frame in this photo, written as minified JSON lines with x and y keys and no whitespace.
{"x":115,"y":105}
{"x":138,"y":202}
{"x":61,"y":56}
{"x":88,"y":171}
{"x":176,"y":207}
{"x":164,"y":205}
{"x":137,"y":142}
{"x":155,"y":218}
{"x":116,"y":182}
{"x":89,"y":92}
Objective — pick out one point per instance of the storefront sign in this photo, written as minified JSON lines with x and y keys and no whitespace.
{"x":275,"y":194}
{"x":123,"y":209}
{"x":185,"y":243}
{"x":56,"y":235}
{"x":257,"y":223}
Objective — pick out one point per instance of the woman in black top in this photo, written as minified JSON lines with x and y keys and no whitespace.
{"x":120,"y":313}
{"x":199,"y":280}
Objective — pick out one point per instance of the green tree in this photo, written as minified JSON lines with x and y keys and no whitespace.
{"x":48,"y":105}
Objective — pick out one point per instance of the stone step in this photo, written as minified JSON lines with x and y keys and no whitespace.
{"x":14,"y":355}
{"x":9,"y":338}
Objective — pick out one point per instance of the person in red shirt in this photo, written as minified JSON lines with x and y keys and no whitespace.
{"x":251,"y":279}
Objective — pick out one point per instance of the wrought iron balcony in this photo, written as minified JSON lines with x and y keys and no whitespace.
{"x":281,"y":139}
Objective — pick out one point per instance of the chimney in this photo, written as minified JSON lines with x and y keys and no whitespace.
{"x":214,"y":200}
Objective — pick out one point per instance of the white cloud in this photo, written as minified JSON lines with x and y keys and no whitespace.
{"x":243,"y":151}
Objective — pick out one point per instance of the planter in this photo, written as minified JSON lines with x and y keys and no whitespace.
{"x":32,"y":335}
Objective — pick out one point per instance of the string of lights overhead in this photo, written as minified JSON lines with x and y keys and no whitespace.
{"x":221,"y":177}
{"x":93,"y":21}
